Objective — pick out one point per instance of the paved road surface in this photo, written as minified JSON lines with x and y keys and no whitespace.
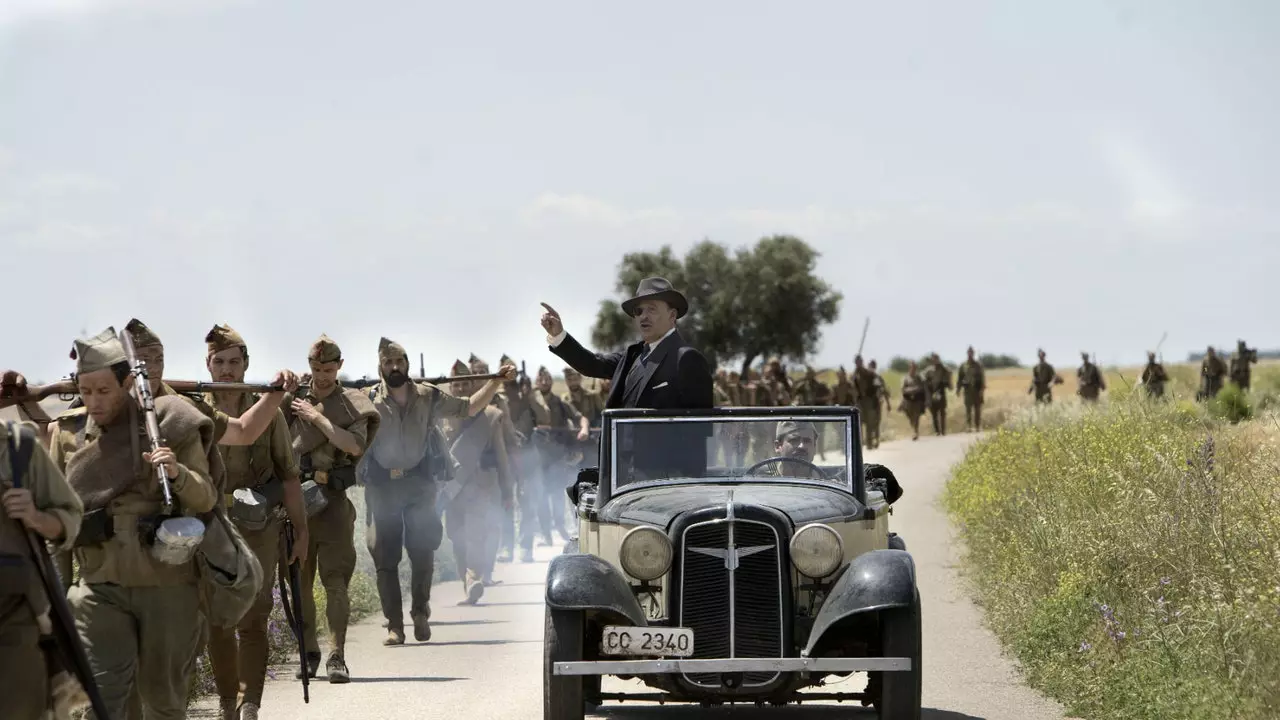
{"x":485,"y":662}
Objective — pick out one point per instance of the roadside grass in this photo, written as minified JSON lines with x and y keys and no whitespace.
{"x":1129,"y":555}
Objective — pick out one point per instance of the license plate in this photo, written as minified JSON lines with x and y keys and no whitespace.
{"x":659,"y":641}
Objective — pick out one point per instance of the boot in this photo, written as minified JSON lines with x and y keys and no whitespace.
{"x":249,"y":711}
{"x":313,"y":665}
{"x":228,"y":708}
{"x":389,"y":595}
{"x":337,"y":668}
{"x":526,"y":555}
{"x":421,"y":627}
{"x":395,"y":636}
{"x":506,"y":556}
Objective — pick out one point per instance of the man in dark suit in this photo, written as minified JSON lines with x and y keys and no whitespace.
{"x":660,"y":372}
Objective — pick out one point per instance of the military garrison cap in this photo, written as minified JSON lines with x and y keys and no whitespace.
{"x":506,"y":360}
{"x":789,"y":427}
{"x":570,"y":372}
{"x":478,"y":366}
{"x":459,"y":368}
{"x":324,"y":350}
{"x":391,"y":349}
{"x":98,"y":352}
{"x":223,"y":337}
{"x":141,"y":334}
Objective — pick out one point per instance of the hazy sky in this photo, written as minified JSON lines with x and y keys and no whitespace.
{"x":1077,"y":175}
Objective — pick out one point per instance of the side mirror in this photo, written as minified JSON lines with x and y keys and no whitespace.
{"x":588,"y":479}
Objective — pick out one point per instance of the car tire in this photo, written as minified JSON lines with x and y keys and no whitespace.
{"x":562,"y":695}
{"x":900,"y":637}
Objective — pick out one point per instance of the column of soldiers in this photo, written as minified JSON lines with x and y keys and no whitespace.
{"x":243,"y":460}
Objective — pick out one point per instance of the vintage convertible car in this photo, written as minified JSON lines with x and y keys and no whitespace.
{"x":721,"y":559}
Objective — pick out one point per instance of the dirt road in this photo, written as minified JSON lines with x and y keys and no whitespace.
{"x":485,"y":662}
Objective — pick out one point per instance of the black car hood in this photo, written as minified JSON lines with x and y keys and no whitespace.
{"x":801,"y":503}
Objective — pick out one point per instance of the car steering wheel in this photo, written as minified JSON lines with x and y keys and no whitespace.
{"x":783,"y":458}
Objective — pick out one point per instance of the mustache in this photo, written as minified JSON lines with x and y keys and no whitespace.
{"x":395,"y":378}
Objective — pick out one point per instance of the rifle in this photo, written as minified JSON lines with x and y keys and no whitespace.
{"x":142,"y":386}
{"x":291,"y":601}
{"x":66,"y":639}
{"x":422,"y":366}
{"x":67,"y":388}
{"x":865,"y":325}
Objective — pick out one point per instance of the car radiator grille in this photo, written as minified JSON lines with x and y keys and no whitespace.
{"x":734,"y":613}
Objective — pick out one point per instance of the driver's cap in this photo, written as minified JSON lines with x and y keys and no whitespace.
{"x":789,"y":427}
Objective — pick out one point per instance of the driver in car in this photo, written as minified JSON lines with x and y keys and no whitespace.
{"x":795,"y":439}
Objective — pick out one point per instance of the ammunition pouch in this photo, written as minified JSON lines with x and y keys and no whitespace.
{"x":254,"y":508}
{"x":173,"y":540}
{"x":313,"y":500}
{"x":96,"y":528}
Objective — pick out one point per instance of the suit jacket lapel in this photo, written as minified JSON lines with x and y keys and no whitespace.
{"x":618,"y":387}
{"x":652,"y":362}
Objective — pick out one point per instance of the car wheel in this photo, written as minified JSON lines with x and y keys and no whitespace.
{"x":900,"y":690}
{"x":562,"y":696}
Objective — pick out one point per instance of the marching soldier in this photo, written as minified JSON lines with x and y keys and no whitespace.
{"x":938,"y":379}
{"x":138,"y":614}
{"x":1043,"y":378}
{"x":843,"y":394}
{"x":518,"y":397}
{"x":1240,"y":362}
{"x":971,"y":380}
{"x":331,"y":428}
{"x":915,"y":398}
{"x":268,"y":468}
{"x":882,"y":395}
{"x":482,"y":487}
{"x":811,"y":390}
{"x":40,"y":502}
{"x":590,"y":404}
{"x":513,"y":441}
{"x":404,"y":465}
{"x":1212,"y":372}
{"x":1154,"y":377}
{"x":868,"y":399}
{"x":1089,"y":377}
{"x":555,"y":417}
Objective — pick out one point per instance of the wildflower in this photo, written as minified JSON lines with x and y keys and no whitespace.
{"x":1165,"y":580}
{"x":1085,"y":646}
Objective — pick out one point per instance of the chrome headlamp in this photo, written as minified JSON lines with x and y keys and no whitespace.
{"x":645,"y":553}
{"x":817,"y":550}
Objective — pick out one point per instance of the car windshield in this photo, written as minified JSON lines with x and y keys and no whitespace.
{"x":802,"y":448}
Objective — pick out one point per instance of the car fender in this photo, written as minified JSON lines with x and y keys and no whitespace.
{"x":875,"y":580}
{"x":585,"y":582}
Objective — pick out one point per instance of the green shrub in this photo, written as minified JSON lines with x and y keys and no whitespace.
{"x":1130,"y":557}
{"x":1231,"y":404}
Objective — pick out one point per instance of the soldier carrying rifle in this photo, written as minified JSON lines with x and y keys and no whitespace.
{"x":1240,"y":362}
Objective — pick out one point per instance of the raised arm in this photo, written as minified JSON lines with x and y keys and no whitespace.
{"x":590,"y":364}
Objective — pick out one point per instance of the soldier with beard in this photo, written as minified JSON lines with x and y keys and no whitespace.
{"x":482,"y":487}
{"x":402,"y":467}
{"x":557,"y":417}
{"x":268,"y":468}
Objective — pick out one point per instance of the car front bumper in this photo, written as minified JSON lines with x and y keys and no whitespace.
{"x":792,"y":664}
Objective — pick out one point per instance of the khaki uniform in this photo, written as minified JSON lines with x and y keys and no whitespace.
{"x":331,"y":552}
{"x":241,"y":666}
{"x":1240,"y":372}
{"x":587,"y":403}
{"x":549,"y":502}
{"x":1090,"y":380}
{"x":401,"y":495}
{"x":1212,"y":372}
{"x":24,"y":604}
{"x":1154,"y":378}
{"x":938,"y":379}
{"x":915,"y":400}
{"x":1043,"y":378}
{"x":140,"y":619}
{"x":485,"y":483}
{"x":868,"y":399}
{"x":528,"y":468}
{"x":971,"y":379}
{"x":843,"y":394}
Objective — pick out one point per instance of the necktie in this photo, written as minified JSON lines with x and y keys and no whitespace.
{"x":637,"y":367}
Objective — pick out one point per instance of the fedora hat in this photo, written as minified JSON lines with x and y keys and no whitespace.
{"x":656,"y":288}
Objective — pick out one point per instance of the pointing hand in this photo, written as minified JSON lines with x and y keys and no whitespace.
{"x":551,"y":321}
